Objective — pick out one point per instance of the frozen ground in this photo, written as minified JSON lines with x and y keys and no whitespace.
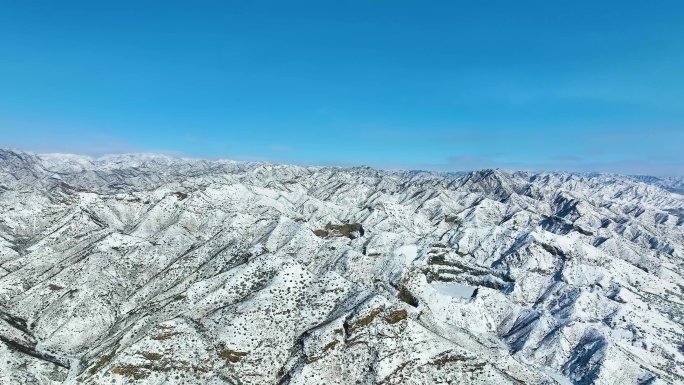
{"x":146,"y":269}
{"x":454,"y":289}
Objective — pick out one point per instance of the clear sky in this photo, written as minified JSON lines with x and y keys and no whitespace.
{"x":439,"y":85}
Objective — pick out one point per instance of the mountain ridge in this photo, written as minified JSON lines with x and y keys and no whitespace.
{"x":146,"y":269}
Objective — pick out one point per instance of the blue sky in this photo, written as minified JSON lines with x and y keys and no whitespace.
{"x":438,"y":85}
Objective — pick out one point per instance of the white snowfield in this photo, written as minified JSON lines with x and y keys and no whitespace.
{"x":146,"y":269}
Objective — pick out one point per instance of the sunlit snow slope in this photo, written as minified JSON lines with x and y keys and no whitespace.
{"x":145,"y":269}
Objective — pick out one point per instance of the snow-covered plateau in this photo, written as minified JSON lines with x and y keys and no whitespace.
{"x":147,"y":269}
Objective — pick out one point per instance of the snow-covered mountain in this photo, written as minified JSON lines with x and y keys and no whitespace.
{"x":146,"y":269}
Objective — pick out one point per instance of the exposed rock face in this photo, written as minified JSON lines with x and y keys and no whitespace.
{"x":148,"y":269}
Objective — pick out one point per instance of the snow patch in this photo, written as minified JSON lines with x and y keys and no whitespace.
{"x":454,"y":289}
{"x":410,"y":252}
{"x":559,"y":378}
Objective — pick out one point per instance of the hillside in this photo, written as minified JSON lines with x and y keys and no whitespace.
{"x":147,"y":269}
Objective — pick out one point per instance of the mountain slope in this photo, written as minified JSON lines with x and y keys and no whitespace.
{"x":150,"y":269}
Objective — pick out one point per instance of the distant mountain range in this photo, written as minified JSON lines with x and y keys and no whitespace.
{"x":148,"y":269}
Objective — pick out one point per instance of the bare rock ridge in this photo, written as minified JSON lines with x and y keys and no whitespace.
{"x":147,"y":269}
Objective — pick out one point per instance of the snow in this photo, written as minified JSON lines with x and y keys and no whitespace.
{"x":559,"y":378}
{"x":454,"y":289}
{"x":409,"y":252}
{"x":572,"y":271}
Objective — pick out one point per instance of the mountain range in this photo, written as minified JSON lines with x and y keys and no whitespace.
{"x":149,"y":269}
